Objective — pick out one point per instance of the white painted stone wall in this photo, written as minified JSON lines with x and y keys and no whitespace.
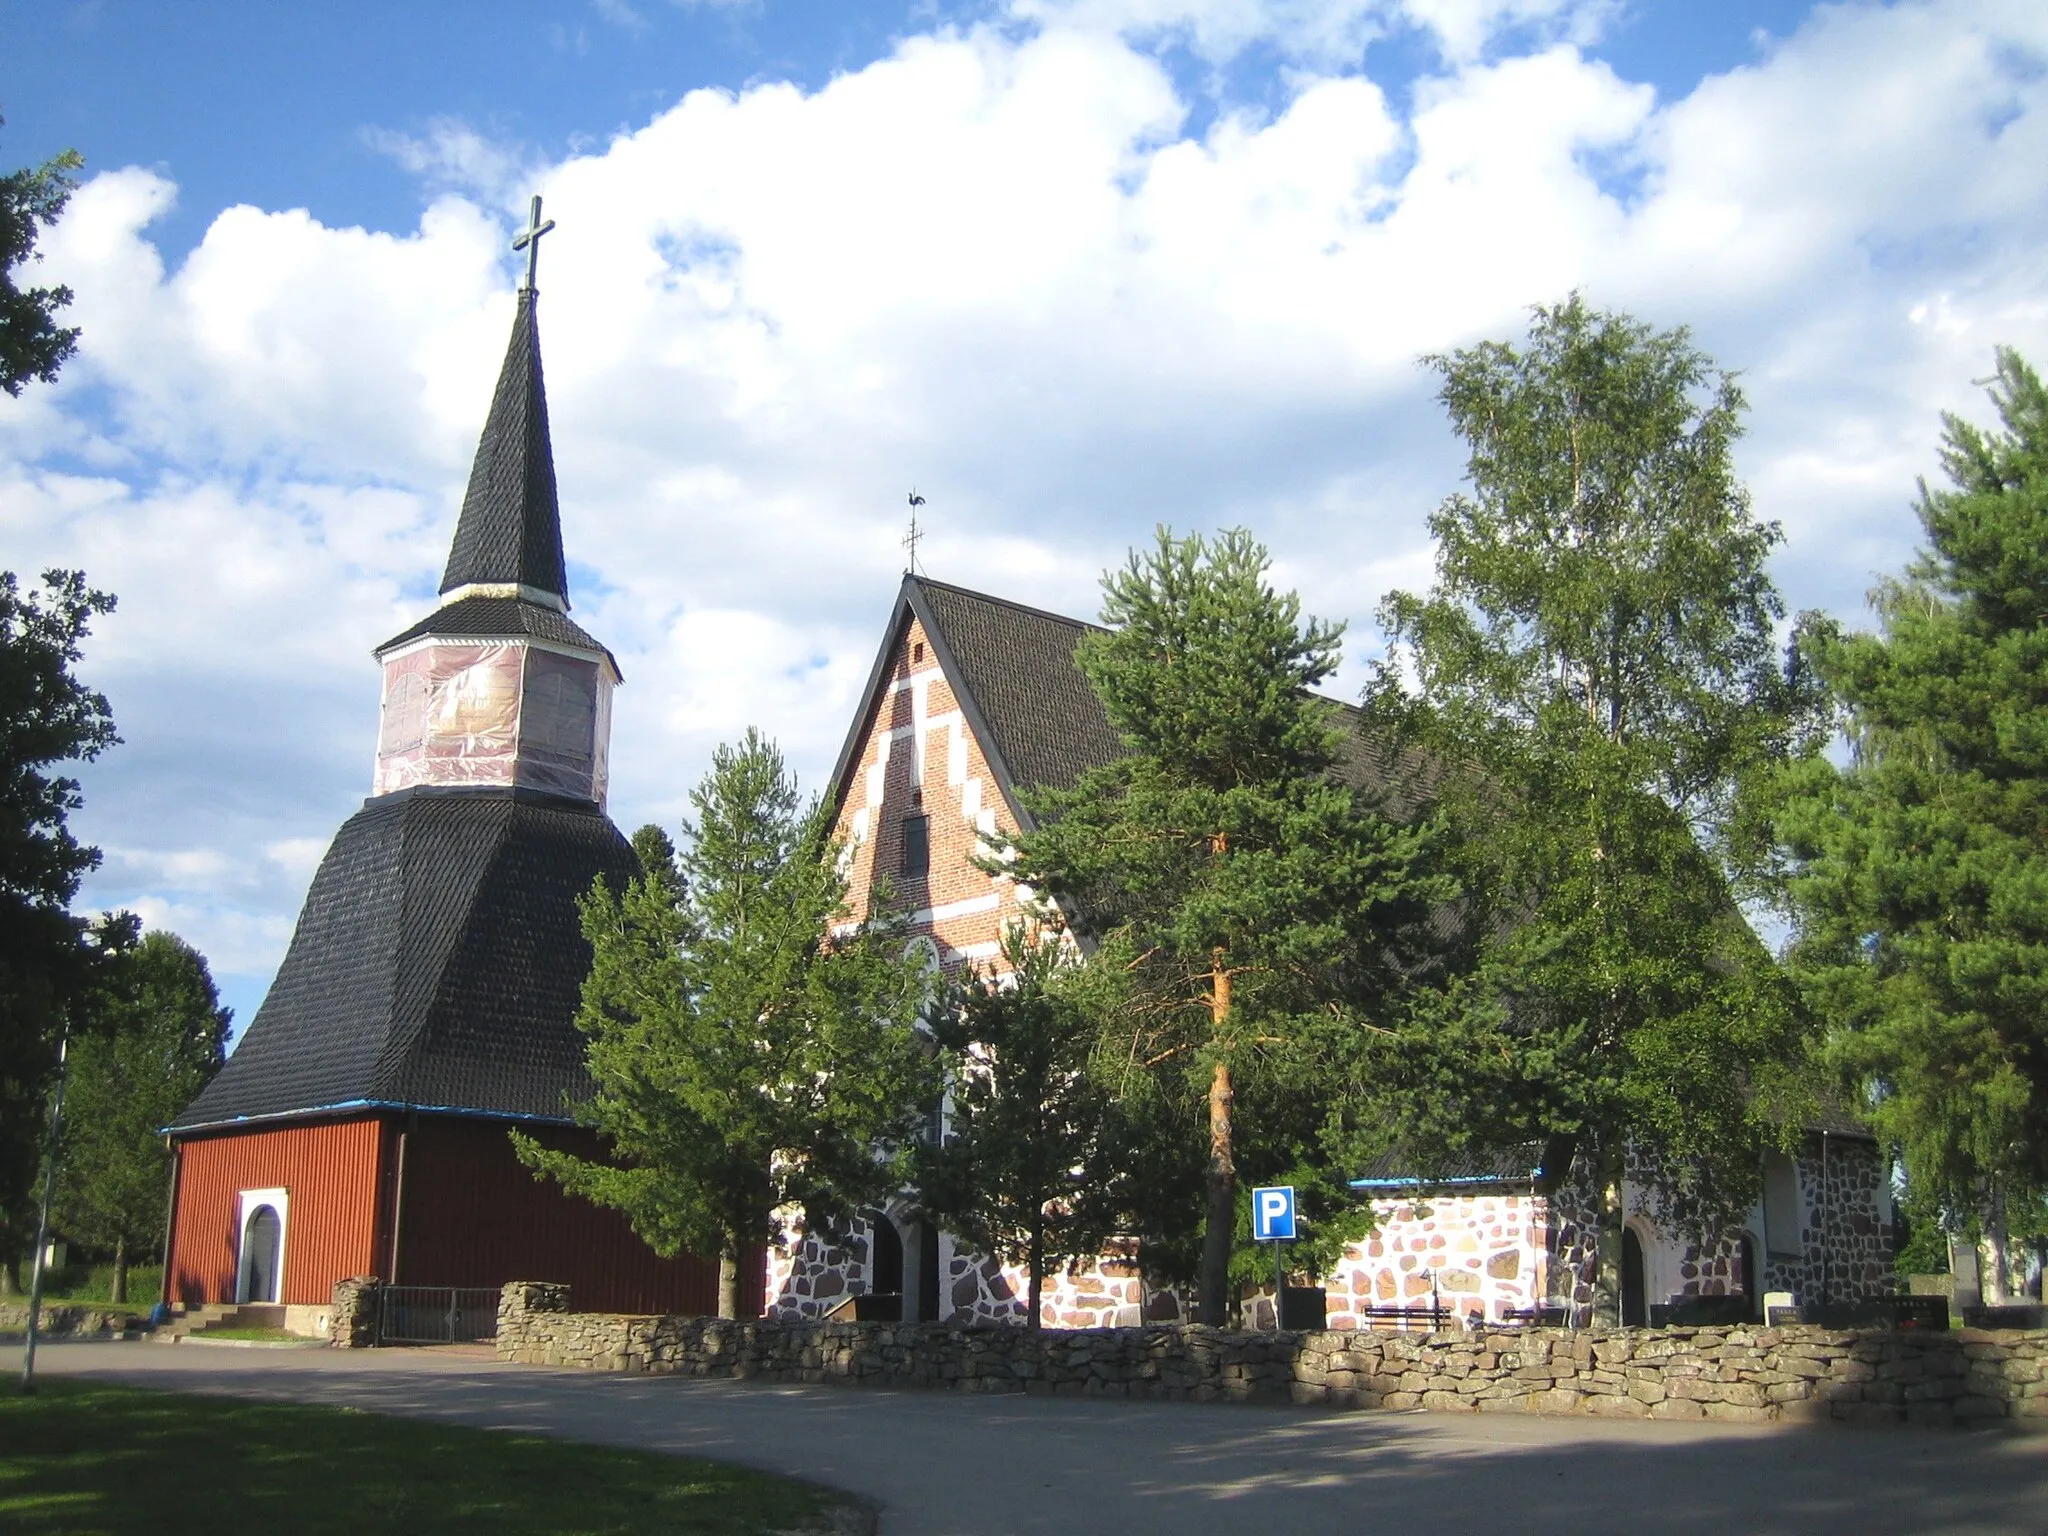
{"x":1483,"y":1253}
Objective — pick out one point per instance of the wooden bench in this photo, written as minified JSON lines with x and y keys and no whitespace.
{"x":1432,"y":1318}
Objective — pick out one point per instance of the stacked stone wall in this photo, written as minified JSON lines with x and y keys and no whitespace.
{"x":71,"y":1322}
{"x":1756,"y":1375}
{"x":352,"y":1313}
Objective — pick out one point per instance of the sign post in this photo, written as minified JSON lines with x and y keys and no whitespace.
{"x":1273,"y":1222}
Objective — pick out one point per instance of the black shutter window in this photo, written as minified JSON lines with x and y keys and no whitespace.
{"x":917,"y":848}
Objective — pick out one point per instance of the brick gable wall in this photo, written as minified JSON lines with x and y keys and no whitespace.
{"x":919,"y":757}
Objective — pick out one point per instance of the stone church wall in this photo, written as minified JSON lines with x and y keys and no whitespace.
{"x":1748,"y":1374}
{"x":1846,"y":1244}
{"x":1480,"y":1254}
{"x":809,"y":1275}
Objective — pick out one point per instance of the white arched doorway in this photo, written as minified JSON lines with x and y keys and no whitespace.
{"x":259,"y":1257}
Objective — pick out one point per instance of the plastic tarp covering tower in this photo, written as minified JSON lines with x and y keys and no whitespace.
{"x":494,"y":713}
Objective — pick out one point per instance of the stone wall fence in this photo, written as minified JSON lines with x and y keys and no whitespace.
{"x":1745,"y":1373}
{"x":72,"y":1321}
{"x":352,"y":1312}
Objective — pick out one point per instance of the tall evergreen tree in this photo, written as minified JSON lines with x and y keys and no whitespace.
{"x":47,"y":718}
{"x":1249,"y":907}
{"x":1920,"y":870}
{"x":1026,"y":1168}
{"x":158,"y":1034}
{"x":1596,"y":665}
{"x":753,"y":1048}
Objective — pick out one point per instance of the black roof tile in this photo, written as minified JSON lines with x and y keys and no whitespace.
{"x":1394,"y":1173}
{"x":1014,"y":672}
{"x":497,"y":618}
{"x":510,"y":530}
{"x":437,"y":964}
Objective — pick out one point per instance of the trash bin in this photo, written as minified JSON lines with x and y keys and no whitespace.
{"x":1304,"y":1308}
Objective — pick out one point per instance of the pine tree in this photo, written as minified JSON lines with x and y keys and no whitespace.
{"x":158,"y":1034}
{"x":1596,"y":670}
{"x":1251,"y":913}
{"x":753,"y":1048}
{"x":1026,"y":1167}
{"x":1920,"y":870}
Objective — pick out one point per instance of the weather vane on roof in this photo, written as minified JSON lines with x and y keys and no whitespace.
{"x":528,"y":240}
{"x":916,"y":535}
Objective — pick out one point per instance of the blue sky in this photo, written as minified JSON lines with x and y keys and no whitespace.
{"x":281,"y":105}
{"x":1070,"y":267}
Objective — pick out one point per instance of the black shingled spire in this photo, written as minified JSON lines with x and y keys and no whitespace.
{"x":511,"y":525}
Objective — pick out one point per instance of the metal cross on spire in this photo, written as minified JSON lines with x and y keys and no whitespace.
{"x":915,"y":536}
{"x":528,"y":240}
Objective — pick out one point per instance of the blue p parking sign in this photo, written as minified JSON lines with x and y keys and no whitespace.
{"x":1273,"y":1214}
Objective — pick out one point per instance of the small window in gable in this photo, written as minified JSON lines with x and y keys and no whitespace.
{"x":917,"y":848}
{"x":917,"y":651}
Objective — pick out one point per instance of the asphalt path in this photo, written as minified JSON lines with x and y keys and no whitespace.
{"x":950,"y":1464}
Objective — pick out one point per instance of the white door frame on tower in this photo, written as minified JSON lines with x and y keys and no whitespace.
{"x":249,"y":1202}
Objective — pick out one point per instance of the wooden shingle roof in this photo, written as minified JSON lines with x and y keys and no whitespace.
{"x":510,"y":531}
{"x":498,"y":618}
{"x":1039,"y":723}
{"x":437,"y":965}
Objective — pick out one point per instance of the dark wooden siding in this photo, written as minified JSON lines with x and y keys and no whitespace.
{"x":331,"y":1170}
{"x":474,"y":1215}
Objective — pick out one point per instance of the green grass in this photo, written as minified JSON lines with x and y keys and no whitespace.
{"x":261,"y":1335}
{"x":81,"y":1457}
{"x":93,"y":1284}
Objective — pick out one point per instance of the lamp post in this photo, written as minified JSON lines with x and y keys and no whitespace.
{"x":35,"y":1288}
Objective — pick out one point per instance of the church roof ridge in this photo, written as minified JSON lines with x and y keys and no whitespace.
{"x":1012,"y":669}
{"x":1001,"y":602}
{"x":510,"y":529}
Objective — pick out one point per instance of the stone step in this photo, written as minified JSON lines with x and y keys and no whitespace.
{"x":220,"y":1315}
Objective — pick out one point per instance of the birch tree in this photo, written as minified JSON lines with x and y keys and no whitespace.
{"x":1597,"y":665}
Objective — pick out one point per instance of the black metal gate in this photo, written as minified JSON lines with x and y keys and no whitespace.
{"x":437,"y":1314}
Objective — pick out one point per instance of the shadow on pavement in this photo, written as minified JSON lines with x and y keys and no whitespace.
{"x":940,"y":1462}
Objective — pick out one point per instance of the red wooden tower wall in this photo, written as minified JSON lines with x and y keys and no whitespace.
{"x":470,"y":1215}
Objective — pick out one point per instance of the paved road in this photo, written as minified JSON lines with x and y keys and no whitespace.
{"x":941,"y":1464}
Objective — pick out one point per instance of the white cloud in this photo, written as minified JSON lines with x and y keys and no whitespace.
{"x":992,"y":265}
{"x":1330,"y":33}
{"x":621,"y":15}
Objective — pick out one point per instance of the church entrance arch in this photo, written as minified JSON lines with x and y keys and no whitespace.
{"x":1635,"y":1309}
{"x":1745,"y":1275}
{"x":887,"y":1270}
{"x":259,"y":1262}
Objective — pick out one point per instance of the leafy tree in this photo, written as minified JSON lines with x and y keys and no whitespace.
{"x":1026,"y":1167}
{"x":752,"y":1049}
{"x":158,"y":1036}
{"x":1597,"y":663}
{"x":1919,"y":871}
{"x":32,"y":344}
{"x":1249,"y":909}
{"x":47,"y":717}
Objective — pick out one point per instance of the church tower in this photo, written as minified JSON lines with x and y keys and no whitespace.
{"x":498,"y":685}
{"x":427,"y":1002}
